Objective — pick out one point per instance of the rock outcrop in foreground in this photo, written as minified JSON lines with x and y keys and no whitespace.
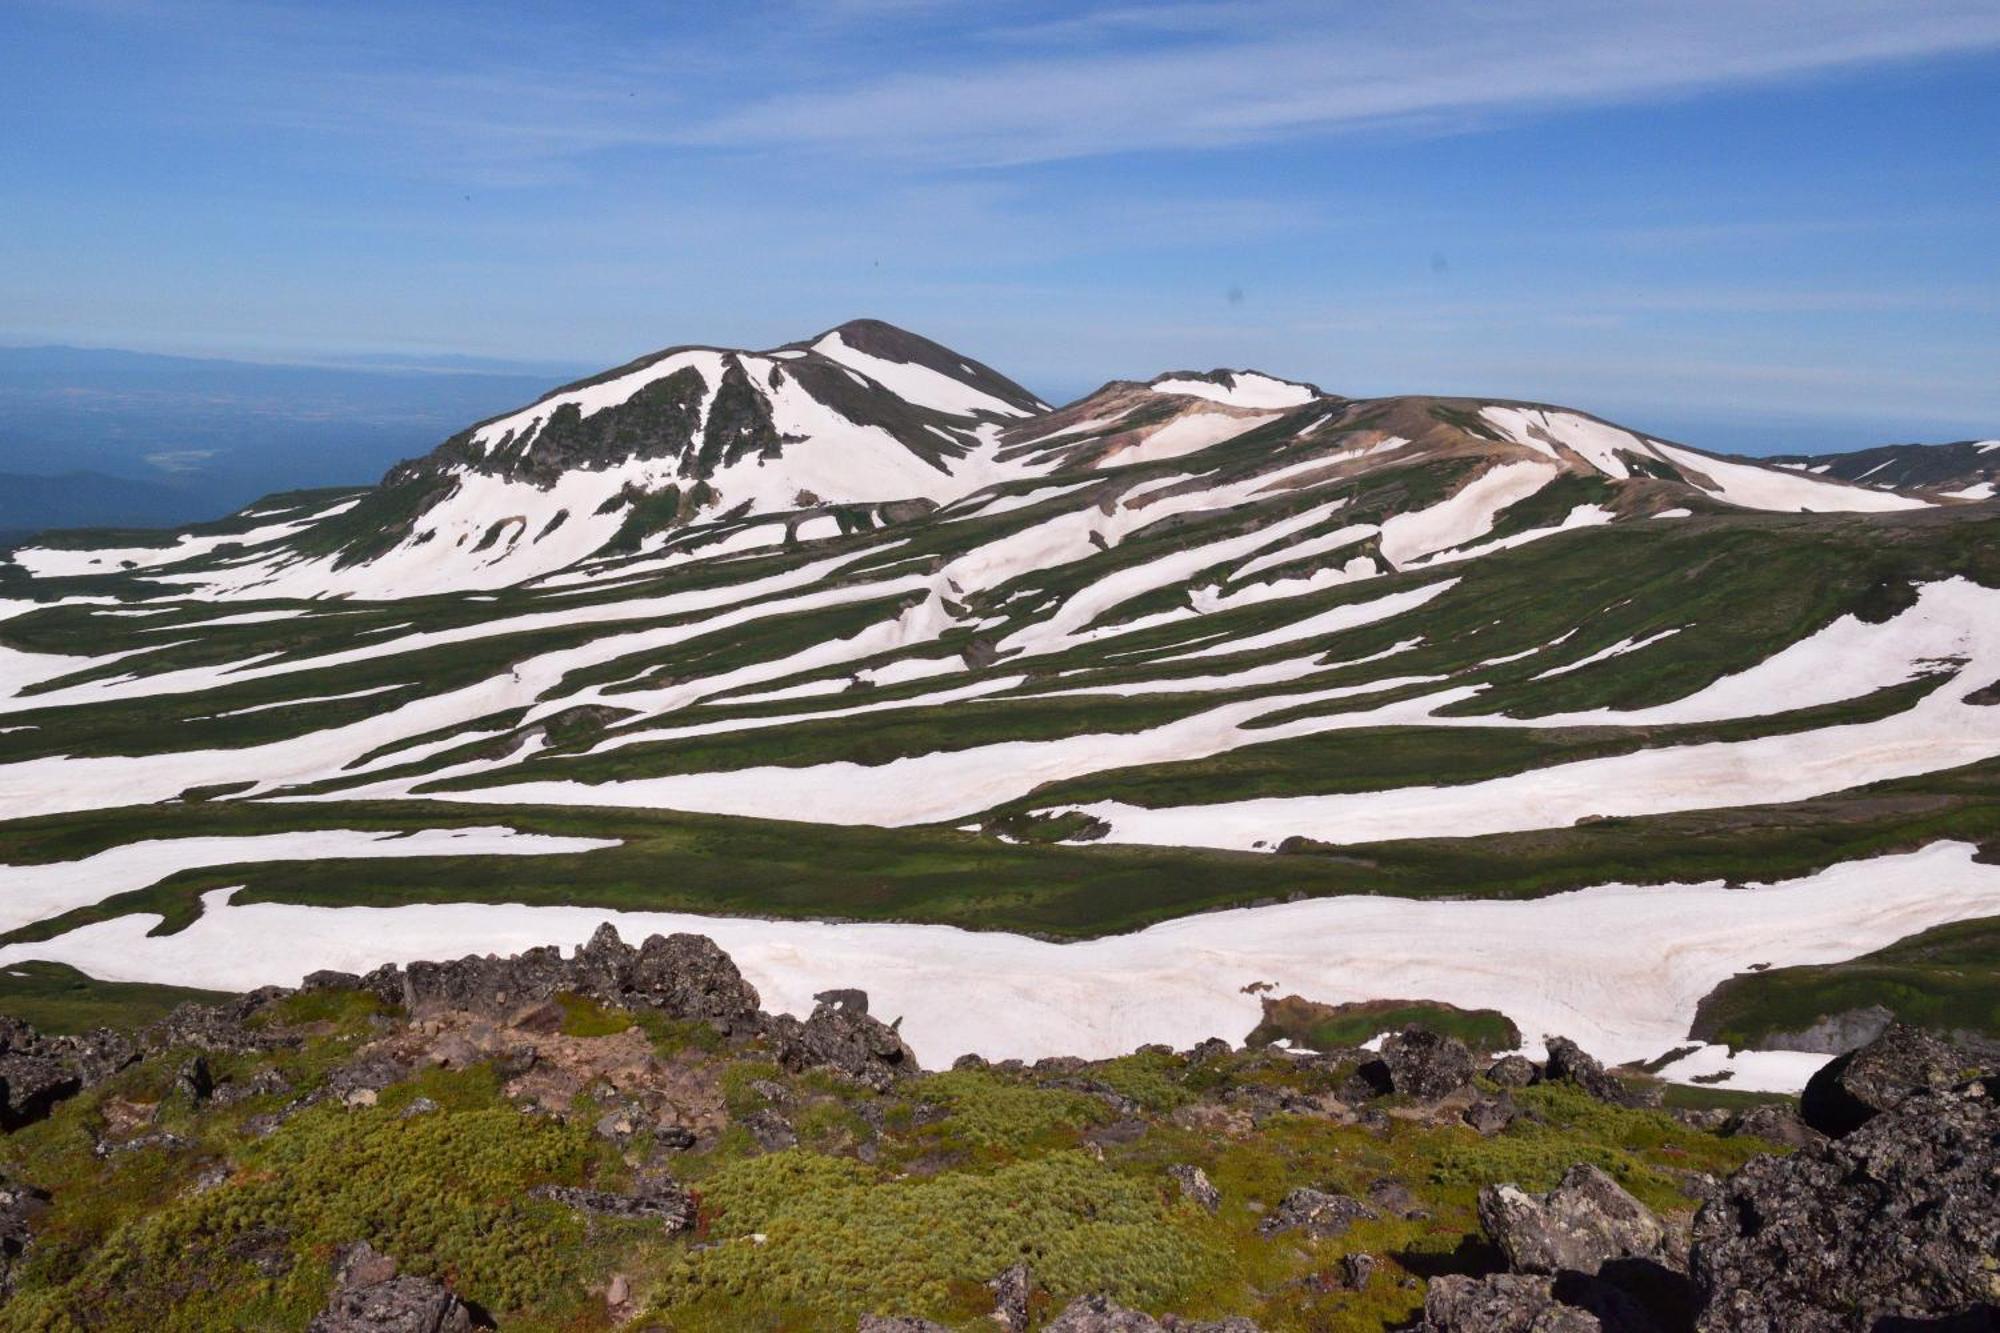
{"x":623,"y":1137}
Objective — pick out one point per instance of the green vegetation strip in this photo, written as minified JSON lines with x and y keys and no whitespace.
{"x":1947,"y":979}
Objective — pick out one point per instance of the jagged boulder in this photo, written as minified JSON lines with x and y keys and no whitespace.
{"x":38,"y":1072}
{"x":682,"y":976}
{"x":1101,"y":1314}
{"x":1570,"y":1063}
{"x":1897,"y":1221}
{"x":1490,"y":1115}
{"x":1853,"y":1089}
{"x":1527,"y":1303}
{"x":686,"y":976}
{"x":1421,"y":1064}
{"x":370,"y":1298}
{"x":218,"y":1029}
{"x":1316,"y":1213}
{"x":1513,"y":1071}
{"x":1585,"y":1222}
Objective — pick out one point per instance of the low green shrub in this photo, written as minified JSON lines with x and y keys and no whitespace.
{"x":839,"y":1241}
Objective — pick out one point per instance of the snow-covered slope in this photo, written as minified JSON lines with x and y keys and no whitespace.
{"x":870,"y":588}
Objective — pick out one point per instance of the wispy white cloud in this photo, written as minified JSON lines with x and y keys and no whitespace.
{"x":180,"y":460}
{"x":1275,"y":69}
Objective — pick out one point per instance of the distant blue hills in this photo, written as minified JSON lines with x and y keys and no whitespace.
{"x":99,"y":437}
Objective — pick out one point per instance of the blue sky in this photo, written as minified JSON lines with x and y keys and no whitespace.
{"x":1751,"y":224}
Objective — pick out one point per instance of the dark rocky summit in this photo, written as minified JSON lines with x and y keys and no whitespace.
{"x":1894,"y":1225}
{"x":679,"y":976}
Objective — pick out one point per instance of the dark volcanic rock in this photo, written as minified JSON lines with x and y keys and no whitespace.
{"x":681,"y":976}
{"x":1775,"y":1122}
{"x":1011,"y":1292}
{"x":1490,"y":1115}
{"x":771,"y":1130}
{"x":21,"y":1209}
{"x":37,"y":1072}
{"x":1513,"y":1071}
{"x":370,"y":1298}
{"x":1422,"y":1064}
{"x":1100,"y":1314}
{"x":1853,"y":1089}
{"x":1585,"y":1222}
{"x":1570,"y":1063}
{"x":1897,"y":1222}
{"x":1316,"y":1213}
{"x":842,"y":1037}
{"x":844,"y":998}
{"x":1527,"y":1303}
{"x":194,"y":1084}
{"x":1196,"y":1187}
{"x":651,"y":1197}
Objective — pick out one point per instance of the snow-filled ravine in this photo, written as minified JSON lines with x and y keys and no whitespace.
{"x":1619,"y":968}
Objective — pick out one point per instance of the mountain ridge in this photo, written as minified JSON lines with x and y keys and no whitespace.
{"x":703,"y":446}
{"x":1146,"y":655}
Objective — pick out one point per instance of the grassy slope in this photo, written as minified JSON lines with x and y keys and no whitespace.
{"x":55,"y":997}
{"x":1947,"y":978}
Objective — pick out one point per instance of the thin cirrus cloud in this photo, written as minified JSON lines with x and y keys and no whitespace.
{"x":1222,"y":76}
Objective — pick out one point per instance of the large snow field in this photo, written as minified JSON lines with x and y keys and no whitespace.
{"x":1618,"y":968}
{"x":1466,"y":514}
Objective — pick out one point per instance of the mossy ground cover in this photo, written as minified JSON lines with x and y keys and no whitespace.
{"x":901,"y":1202}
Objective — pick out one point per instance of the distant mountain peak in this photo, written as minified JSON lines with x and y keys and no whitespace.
{"x":1237,"y":388}
{"x":874,"y":345}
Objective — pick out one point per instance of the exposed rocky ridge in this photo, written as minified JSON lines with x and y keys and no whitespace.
{"x":696,"y":445}
{"x":1895,"y":1219}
